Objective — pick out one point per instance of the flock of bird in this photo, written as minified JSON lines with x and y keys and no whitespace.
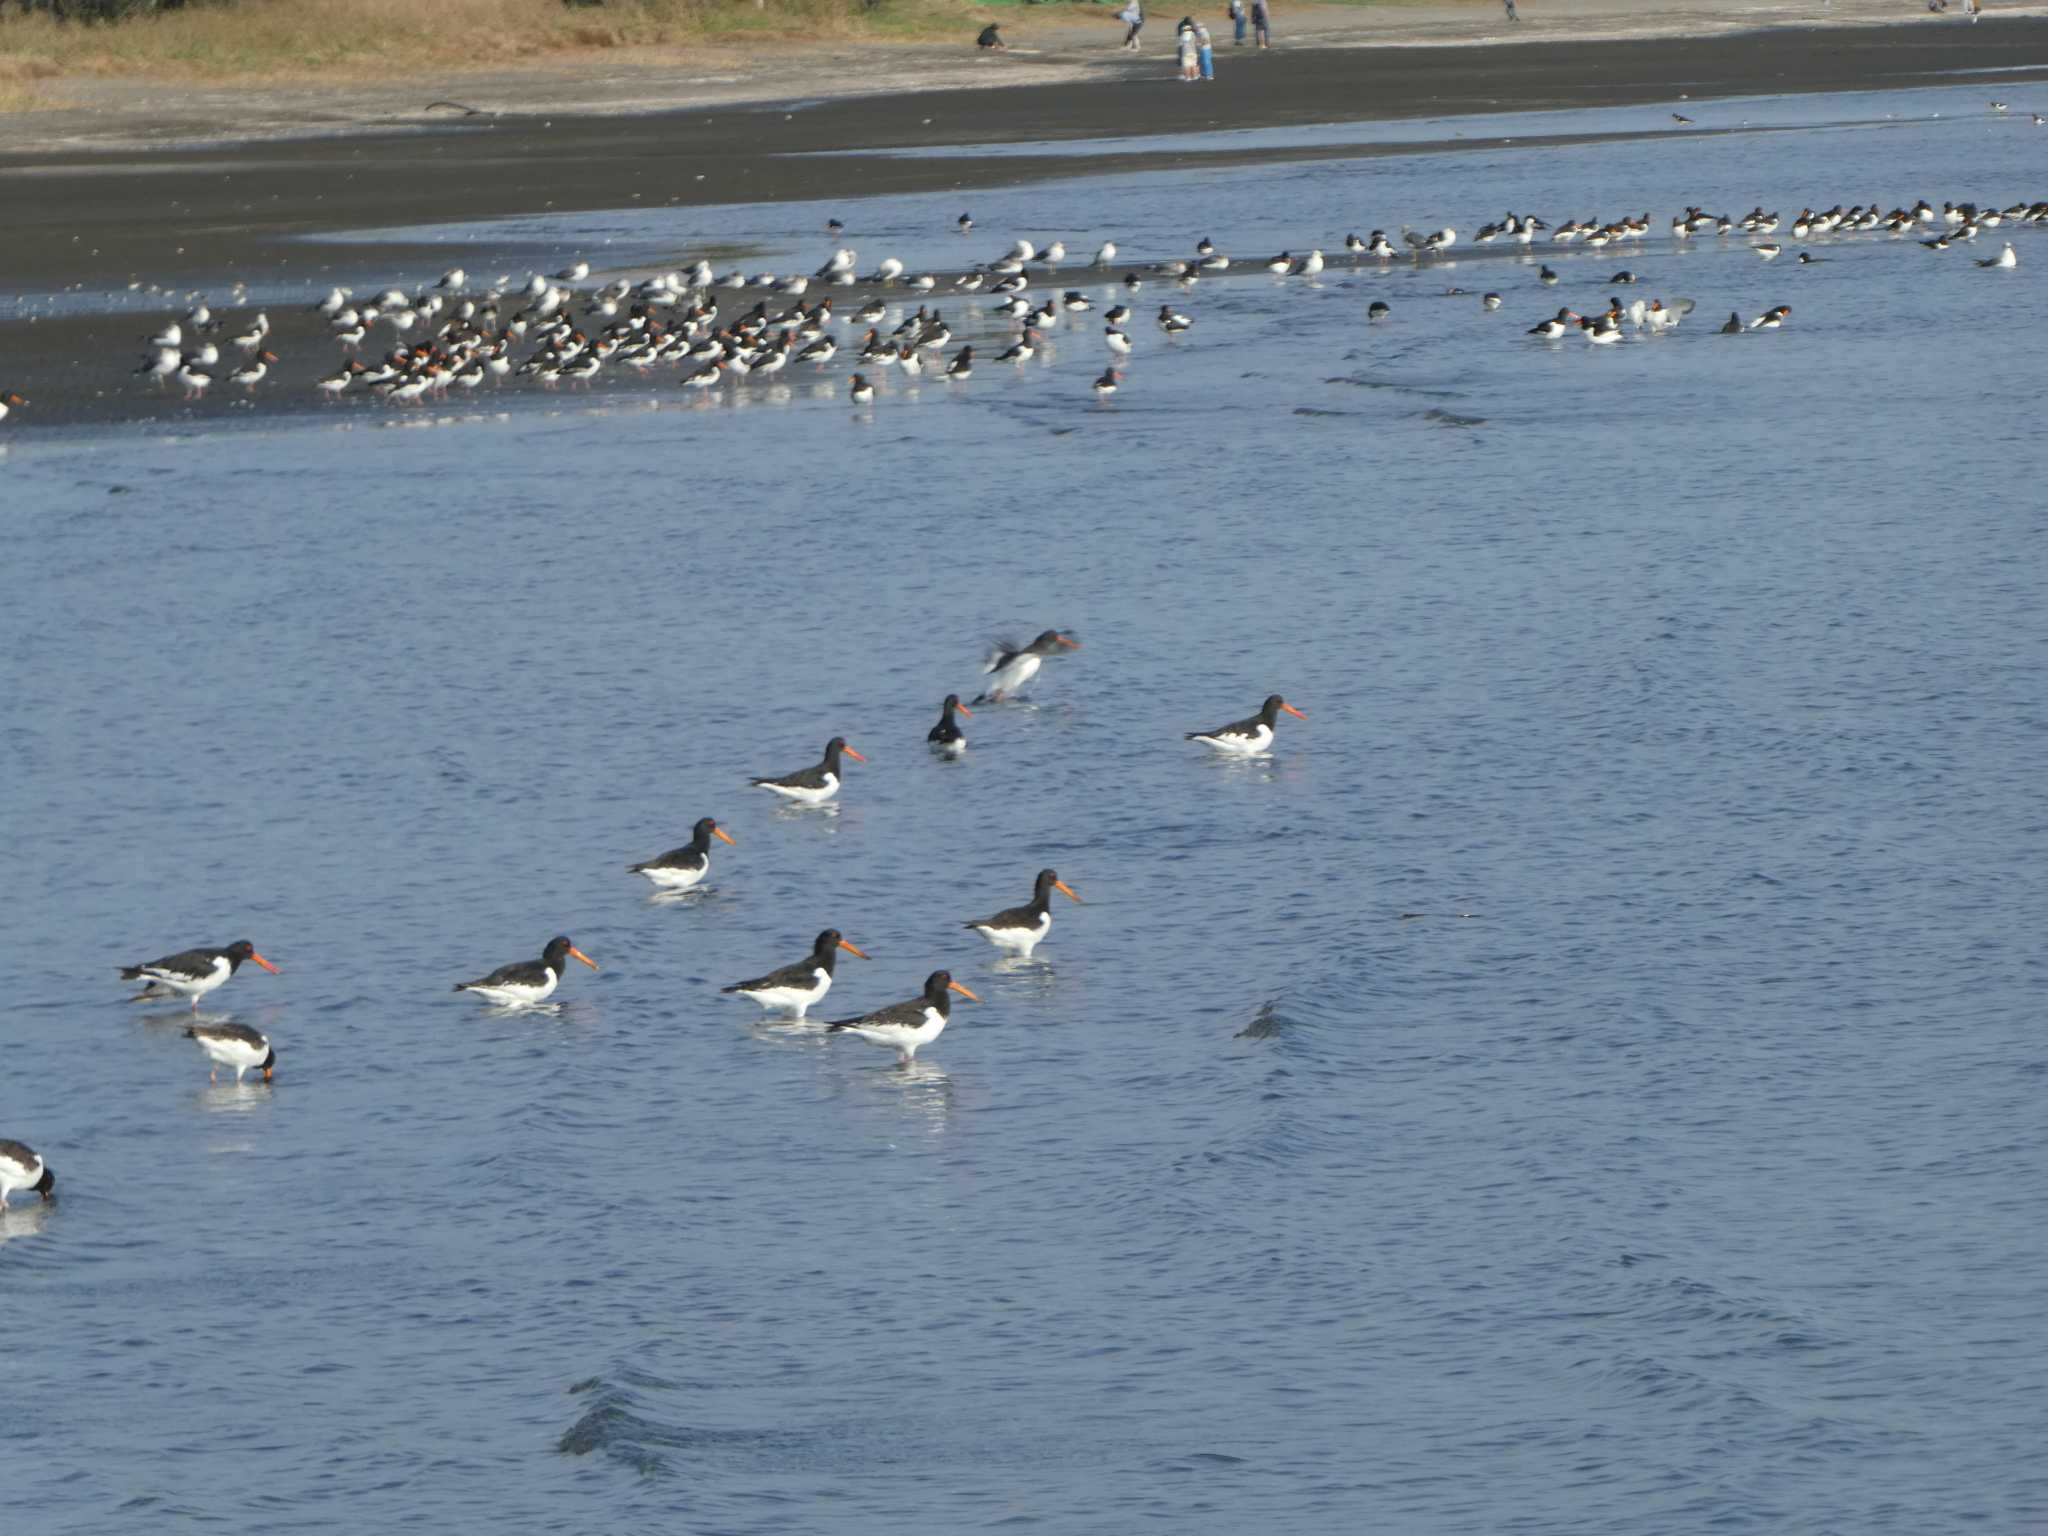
{"x":560,"y":327}
{"x":789,"y":991}
{"x":557,"y":328}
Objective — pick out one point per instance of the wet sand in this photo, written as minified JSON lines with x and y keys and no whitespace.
{"x":206,"y":218}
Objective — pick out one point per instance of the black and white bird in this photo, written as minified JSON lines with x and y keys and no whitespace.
{"x":793,"y":989}
{"x":237,"y":1046}
{"x":903,"y":1027}
{"x":947,"y":736}
{"x":681,"y":868}
{"x":1019,"y":930}
{"x":191,"y":973}
{"x":1012,"y":666}
{"x":816,"y":784}
{"x":1248,"y":738}
{"x":22,"y":1168}
{"x":526,"y":982}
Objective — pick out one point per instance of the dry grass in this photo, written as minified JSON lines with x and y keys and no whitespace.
{"x":309,"y":41}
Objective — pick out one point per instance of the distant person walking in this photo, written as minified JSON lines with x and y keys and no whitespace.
{"x":1206,"y":51}
{"x":1133,"y":15}
{"x":1510,"y":4}
{"x":1262,"y":23}
{"x":1238,"y":15}
{"x":1190,"y":54}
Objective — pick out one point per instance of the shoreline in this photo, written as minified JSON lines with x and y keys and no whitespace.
{"x":206,"y":219}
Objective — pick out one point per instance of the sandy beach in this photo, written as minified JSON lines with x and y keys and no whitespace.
{"x":97,"y":213}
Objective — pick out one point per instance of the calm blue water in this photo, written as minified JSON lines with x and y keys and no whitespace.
{"x":1694,"y":1182}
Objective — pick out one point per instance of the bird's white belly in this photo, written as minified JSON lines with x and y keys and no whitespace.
{"x":191,"y":986}
{"x":14,"y":1176}
{"x":238,"y":1054}
{"x":1240,"y":745}
{"x":804,"y":796}
{"x":1014,"y":676}
{"x":1018,"y":941}
{"x":517,"y":994}
{"x":896,"y":1037}
{"x":677,"y":879}
{"x":792,"y":999}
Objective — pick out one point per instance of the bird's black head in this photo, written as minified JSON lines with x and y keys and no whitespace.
{"x":706,"y":829}
{"x":1052,"y":640}
{"x":826,"y":951}
{"x":268,"y":1063}
{"x":835,"y":748}
{"x":46,"y":1186}
{"x":1275,"y":706}
{"x":242,"y":950}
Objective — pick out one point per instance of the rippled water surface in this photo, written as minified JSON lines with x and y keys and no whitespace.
{"x":1588,"y":1078}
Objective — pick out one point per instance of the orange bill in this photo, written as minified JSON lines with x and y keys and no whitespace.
{"x":719,"y":833}
{"x":1068,"y":890}
{"x":965,"y":710}
{"x":578,"y":954}
{"x":853,"y":754}
{"x":954,"y":986}
{"x":1294,"y":712}
{"x":851,"y":950}
{"x":263,"y":962}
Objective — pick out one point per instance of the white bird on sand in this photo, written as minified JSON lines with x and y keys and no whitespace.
{"x":1106,"y":253}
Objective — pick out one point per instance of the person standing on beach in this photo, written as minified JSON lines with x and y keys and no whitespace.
{"x":1133,"y":15}
{"x":1184,"y":36}
{"x":1510,"y":4}
{"x":1262,"y":23}
{"x":1237,"y":17}
{"x":1206,"y":51}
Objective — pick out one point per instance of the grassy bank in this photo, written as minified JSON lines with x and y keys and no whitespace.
{"x":280,"y":41}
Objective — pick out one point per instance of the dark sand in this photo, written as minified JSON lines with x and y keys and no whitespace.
{"x":205,"y":218}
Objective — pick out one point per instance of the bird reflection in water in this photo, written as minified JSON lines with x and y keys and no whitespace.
{"x":24,"y":1220}
{"x":182,"y":1019}
{"x":927,"y":1092}
{"x":235,"y":1098}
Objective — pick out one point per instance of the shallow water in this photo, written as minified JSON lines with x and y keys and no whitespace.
{"x":1677,"y":1168}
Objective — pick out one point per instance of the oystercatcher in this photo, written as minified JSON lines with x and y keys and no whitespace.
{"x":681,"y":868}
{"x":946,"y":735}
{"x":192,"y":973}
{"x":1019,"y":930}
{"x":22,"y":1168}
{"x":795,"y":988}
{"x":1247,"y":738}
{"x":1012,"y":666}
{"x":525,"y":982}
{"x":814,"y":785}
{"x":903,"y":1027}
{"x":234,"y":1045}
